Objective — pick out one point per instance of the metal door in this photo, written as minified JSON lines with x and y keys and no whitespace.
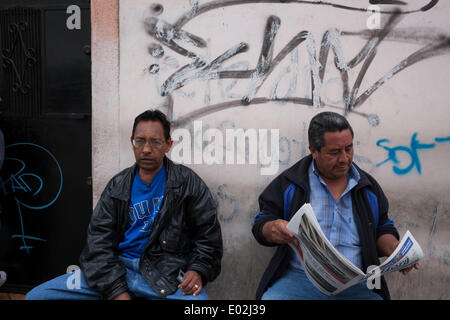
{"x":45,"y":116}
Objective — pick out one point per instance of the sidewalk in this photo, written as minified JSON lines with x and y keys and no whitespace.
{"x":11,"y":296}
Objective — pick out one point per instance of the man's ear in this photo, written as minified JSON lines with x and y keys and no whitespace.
{"x":314,"y":152}
{"x":169,"y":143}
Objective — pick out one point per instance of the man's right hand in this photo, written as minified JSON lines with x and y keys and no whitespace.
{"x":276,"y":232}
{"x":122,"y":296}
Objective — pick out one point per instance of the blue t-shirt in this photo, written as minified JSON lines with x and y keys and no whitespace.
{"x":146,"y":201}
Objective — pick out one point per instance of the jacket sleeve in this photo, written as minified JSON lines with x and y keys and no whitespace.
{"x":385,"y":224}
{"x":99,"y":259}
{"x":271,"y":208}
{"x":206,"y":235}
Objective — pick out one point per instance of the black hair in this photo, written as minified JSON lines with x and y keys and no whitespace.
{"x":325,"y":122}
{"x":153,"y":115}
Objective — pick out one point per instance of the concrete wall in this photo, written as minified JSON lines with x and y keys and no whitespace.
{"x":105,"y":93}
{"x":200,"y":63}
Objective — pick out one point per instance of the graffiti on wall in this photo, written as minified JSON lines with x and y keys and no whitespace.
{"x":412,"y":152}
{"x":30,"y":185}
{"x":291,"y":69}
{"x":322,"y":60}
{"x":174,"y":37}
{"x":307,"y":85}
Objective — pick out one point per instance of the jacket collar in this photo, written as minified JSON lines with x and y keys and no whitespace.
{"x":298,"y":173}
{"x":121,"y":183}
{"x":363,"y":179}
{"x":121,"y":188}
{"x":174,"y":177}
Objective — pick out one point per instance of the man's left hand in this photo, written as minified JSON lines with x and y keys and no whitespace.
{"x":386,"y":245}
{"x":406,"y":270}
{"x":192,"y":283}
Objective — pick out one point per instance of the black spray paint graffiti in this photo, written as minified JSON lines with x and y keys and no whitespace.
{"x":200,"y":69}
{"x":430,"y":249}
{"x":429,"y":246}
{"x":197,"y":9}
{"x":228,"y":204}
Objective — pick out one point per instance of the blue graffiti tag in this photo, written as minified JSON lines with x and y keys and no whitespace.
{"x":412,"y":152}
{"x":446,"y":139}
{"x":21,"y":184}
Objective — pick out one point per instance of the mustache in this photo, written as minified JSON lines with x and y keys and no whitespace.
{"x":342,"y":164}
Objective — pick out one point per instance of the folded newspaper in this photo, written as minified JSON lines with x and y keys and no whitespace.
{"x":328,"y":269}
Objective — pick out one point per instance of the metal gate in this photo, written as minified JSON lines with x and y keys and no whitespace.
{"x":45,"y":116}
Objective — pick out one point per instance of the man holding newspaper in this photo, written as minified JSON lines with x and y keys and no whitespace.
{"x":343,"y":228}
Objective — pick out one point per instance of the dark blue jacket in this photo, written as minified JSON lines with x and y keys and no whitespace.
{"x":290,"y":190}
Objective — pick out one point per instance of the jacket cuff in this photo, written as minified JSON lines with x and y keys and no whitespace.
{"x":257,"y":231}
{"x":388,"y":230}
{"x":119,"y":286}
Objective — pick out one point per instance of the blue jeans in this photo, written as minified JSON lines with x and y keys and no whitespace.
{"x":295,"y":285}
{"x":63,"y":288}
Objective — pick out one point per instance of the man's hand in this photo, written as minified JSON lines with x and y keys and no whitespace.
{"x":386,"y":245}
{"x":276,"y":232}
{"x":406,"y":270}
{"x":192,"y":283}
{"x":122,"y":296}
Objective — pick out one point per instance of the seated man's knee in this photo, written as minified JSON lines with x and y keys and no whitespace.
{"x":35,"y":294}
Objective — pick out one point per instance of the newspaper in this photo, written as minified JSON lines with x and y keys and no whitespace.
{"x":328,"y":269}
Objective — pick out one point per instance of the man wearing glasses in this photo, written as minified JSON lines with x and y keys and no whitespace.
{"x":154,"y":232}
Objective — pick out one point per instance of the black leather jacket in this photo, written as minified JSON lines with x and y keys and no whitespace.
{"x":186,"y":234}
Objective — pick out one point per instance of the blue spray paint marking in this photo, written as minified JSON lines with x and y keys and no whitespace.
{"x":446,"y":139}
{"x":18,"y":182}
{"x":412,"y":151}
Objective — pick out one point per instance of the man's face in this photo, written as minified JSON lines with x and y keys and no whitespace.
{"x":335,"y":158}
{"x":150,"y":145}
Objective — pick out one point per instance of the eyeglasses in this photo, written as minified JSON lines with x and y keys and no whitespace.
{"x":141,"y":142}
